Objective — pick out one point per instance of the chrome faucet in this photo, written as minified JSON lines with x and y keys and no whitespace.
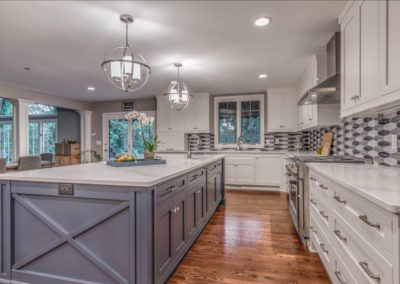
{"x":189,"y":152}
{"x":240,"y":142}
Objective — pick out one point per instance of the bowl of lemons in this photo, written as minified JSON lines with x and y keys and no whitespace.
{"x":125,"y":158}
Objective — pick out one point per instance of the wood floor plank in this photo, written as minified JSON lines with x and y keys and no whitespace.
{"x":251,"y":240}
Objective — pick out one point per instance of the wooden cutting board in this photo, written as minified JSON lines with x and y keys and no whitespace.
{"x":326,"y":144}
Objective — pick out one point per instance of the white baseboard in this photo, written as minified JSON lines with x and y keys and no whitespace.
{"x":252,"y":187}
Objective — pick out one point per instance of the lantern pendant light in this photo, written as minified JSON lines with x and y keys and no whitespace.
{"x":125,"y":68}
{"x":178,"y":93}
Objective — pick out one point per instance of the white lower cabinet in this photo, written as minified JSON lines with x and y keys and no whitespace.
{"x":360,"y":240}
{"x":264,"y":169}
{"x":239,"y":170}
{"x":268,"y":170}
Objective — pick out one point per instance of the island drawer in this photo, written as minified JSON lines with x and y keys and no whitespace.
{"x":170,"y":188}
{"x":197,"y":175}
{"x":216,"y":167}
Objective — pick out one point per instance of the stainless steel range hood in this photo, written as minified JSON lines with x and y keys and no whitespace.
{"x":328,"y":91}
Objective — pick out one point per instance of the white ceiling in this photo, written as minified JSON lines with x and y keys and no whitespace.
{"x":64,"y":42}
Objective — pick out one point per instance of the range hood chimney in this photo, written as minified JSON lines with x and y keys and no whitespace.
{"x":328,"y":91}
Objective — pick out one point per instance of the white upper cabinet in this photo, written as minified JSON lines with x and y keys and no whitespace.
{"x":281,"y":110}
{"x":312,"y":115}
{"x":370,"y":51}
{"x":350,"y":61}
{"x":168,"y":119}
{"x":197,"y":114}
{"x":390,"y":46}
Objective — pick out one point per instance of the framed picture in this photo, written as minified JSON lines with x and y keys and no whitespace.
{"x":128,"y":105}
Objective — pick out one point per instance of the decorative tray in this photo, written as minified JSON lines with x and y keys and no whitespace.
{"x":138,"y":162}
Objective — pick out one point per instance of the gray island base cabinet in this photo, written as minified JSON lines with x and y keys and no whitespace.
{"x":103,"y":233}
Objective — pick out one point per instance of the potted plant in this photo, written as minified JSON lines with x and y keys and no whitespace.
{"x":149,"y":146}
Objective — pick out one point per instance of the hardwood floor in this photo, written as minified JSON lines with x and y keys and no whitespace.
{"x":251,"y":240}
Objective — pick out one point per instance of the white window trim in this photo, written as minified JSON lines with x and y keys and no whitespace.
{"x":41,"y":121}
{"x":238,"y":100}
{"x":121,"y":115}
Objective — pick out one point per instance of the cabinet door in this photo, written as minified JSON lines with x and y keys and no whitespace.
{"x":218,"y":189}
{"x":390,"y":46}
{"x":369,"y":48}
{"x":195,"y":209}
{"x":275,"y":113}
{"x":164,"y":114}
{"x":269,"y":171}
{"x":178,"y":120}
{"x":178,"y":234}
{"x":230,"y":172}
{"x":289,"y":103}
{"x":202,"y":121}
{"x":190,"y":116}
{"x":163,"y":245}
{"x":350,"y":59}
{"x":244,"y":172}
{"x":211,"y":188}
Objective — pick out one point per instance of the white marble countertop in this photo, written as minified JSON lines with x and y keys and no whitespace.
{"x":101,"y":174}
{"x":378,"y":184}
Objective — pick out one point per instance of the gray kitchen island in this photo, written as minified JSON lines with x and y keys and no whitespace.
{"x":93,"y":223}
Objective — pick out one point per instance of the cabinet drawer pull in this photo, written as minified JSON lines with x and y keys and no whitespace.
{"x":322,"y":245}
{"x":313,"y":179}
{"x":340,"y":236}
{"x":337,"y":198}
{"x":313,"y":230}
{"x":364,"y":265}
{"x":365,"y":219}
{"x":194,"y":177}
{"x":313,"y":202}
{"x":323,"y":187}
{"x":339,"y":277}
{"x":323,"y":214}
{"x":198,"y":192}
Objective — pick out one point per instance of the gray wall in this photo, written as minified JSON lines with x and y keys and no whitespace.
{"x":114,"y":106}
{"x":68,"y":125}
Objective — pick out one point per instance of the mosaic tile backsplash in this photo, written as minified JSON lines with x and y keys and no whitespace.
{"x":360,"y":137}
{"x":364,"y":138}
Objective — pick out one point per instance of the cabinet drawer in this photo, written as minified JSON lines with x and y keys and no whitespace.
{"x":321,"y":212}
{"x":216,"y":167}
{"x":170,"y":188}
{"x":196,"y":176}
{"x":341,"y":273}
{"x":320,"y":185}
{"x":322,"y":244}
{"x":362,"y":260}
{"x":375,"y":225}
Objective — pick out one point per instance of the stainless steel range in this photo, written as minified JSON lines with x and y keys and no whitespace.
{"x":296,"y":175}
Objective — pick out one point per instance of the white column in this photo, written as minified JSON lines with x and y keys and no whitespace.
{"x":86,"y":134}
{"x":21,"y":126}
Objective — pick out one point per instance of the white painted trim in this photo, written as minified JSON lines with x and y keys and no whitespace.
{"x":238,"y":99}
{"x":86,"y":134}
{"x":120,"y":115}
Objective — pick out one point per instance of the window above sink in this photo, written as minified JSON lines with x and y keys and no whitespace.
{"x":237,"y":116}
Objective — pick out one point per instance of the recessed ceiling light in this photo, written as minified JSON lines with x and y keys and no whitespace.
{"x":27,"y":68}
{"x":262,"y":21}
{"x":313,"y":95}
{"x":91,"y":89}
{"x":261,"y":76}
